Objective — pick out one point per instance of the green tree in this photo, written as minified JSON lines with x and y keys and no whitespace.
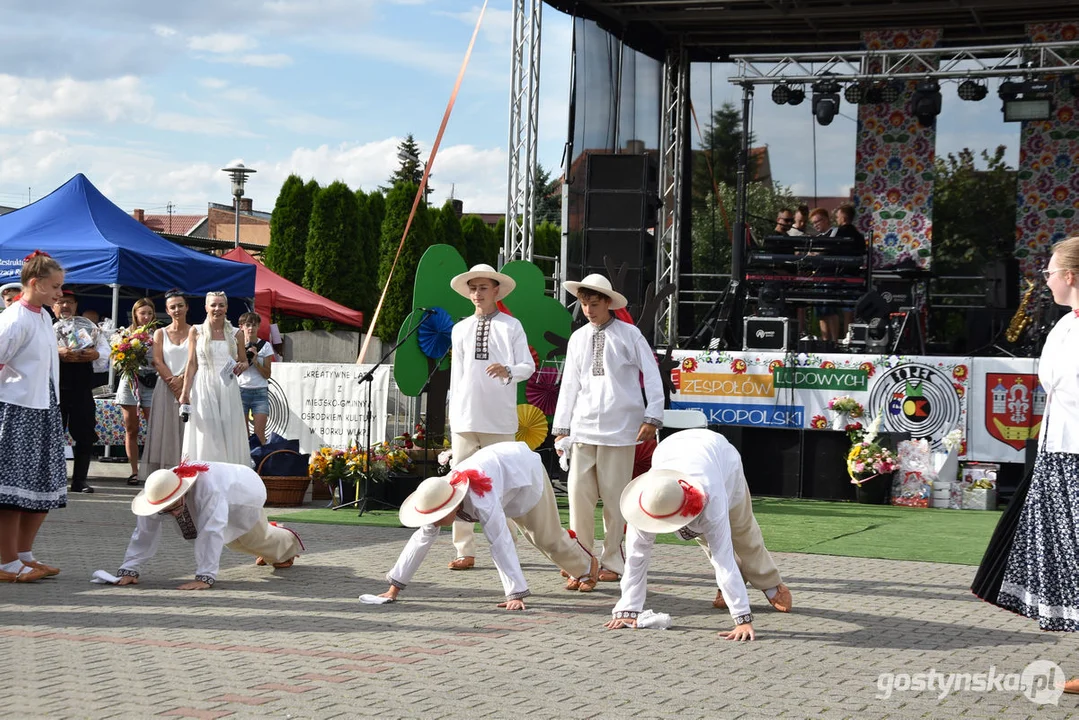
{"x":333,"y":263}
{"x":376,"y":209}
{"x":548,"y":197}
{"x":411,"y":168}
{"x":398,"y":301}
{"x":367,"y":246}
{"x":448,"y":227}
{"x":547,"y":241}
{"x":497,"y":241}
{"x":722,"y":143}
{"x":289,"y":222}
{"x":478,"y":238}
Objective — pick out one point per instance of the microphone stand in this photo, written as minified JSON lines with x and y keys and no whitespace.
{"x":363,"y":487}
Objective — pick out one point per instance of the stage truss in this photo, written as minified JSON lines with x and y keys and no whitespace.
{"x":524,"y":133}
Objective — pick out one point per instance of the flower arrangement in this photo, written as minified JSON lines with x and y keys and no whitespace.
{"x":846,"y":404}
{"x":867,"y":457}
{"x":130,"y":349}
{"x":333,"y":466}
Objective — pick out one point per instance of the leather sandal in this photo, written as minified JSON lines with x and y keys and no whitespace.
{"x":26,"y":574}
{"x":133,"y":479}
{"x":587,"y":583}
{"x":47,"y":569}
{"x":260,"y":561}
{"x":606,"y":575}
{"x":287,"y":564}
{"x":463,"y":563}
{"x":781,"y":601}
{"x":719,"y":603}
{"x":1072,"y":686}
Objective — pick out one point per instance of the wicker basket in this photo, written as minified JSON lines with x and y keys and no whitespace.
{"x":283,"y":490}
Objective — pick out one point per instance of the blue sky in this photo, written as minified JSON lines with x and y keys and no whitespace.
{"x":150,"y":100}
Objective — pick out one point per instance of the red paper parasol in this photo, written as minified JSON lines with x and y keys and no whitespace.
{"x":541,"y":389}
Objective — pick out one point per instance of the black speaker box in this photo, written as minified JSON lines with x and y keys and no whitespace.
{"x":616,"y":210}
{"x":619,"y":172}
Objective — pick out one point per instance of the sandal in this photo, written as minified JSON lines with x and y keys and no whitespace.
{"x":26,"y":574}
{"x":133,"y":479}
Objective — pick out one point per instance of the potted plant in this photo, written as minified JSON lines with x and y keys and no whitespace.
{"x":869,"y":464}
{"x":844,"y":408}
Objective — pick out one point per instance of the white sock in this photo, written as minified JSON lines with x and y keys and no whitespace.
{"x":27,"y":557}
{"x":771,"y":592}
{"x":12,"y":567}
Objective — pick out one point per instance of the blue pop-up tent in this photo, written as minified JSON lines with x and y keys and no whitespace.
{"x":97,"y":243}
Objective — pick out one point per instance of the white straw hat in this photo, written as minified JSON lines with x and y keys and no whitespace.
{"x":435,"y":498}
{"x":600,"y":284}
{"x":661,"y":501}
{"x":505,"y":282}
{"x":164,"y":487}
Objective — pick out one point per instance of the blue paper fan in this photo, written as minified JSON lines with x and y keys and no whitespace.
{"x":435,"y":333}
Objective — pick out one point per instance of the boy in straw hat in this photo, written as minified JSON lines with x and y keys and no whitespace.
{"x":496,"y":482}
{"x":697,"y":489}
{"x":601,"y":410}
{"x":215,"y":504}
{"x":490,"y":356}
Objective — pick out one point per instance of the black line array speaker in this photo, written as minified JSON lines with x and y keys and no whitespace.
{"x":620,"y":205}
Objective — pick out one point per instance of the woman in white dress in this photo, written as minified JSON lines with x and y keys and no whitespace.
{"x":216,"y":430}
{"x":165,"y":436}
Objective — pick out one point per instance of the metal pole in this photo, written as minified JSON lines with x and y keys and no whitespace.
{"x":738,"y":237}
{"x":236,"y":198}
{"x":116,"y":323}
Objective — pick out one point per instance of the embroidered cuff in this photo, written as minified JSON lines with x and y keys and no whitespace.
{"x":509,"y":375}
{"x":746,"y":619}
{"x":206,"y":579}
{"x":519,"y":596}
{"x":625,"y":614}
{"x":124,"y":572}
{"x":559,"y":431}
{"x":654,"y":421}
{"x":396,"y":583}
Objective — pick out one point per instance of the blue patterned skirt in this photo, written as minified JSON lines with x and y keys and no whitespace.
{"x":33,"y":475}
{"x":1042,"y":576}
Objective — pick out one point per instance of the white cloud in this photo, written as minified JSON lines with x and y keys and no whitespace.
{"x":273,"y":60}
{"x":213,"y":83}
{"x":201,"y":125}
{"x":222,"y":43}
{"x":163,"y":31}
{"x":29,"y":102}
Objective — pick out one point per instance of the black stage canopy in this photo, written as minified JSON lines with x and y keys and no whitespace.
{"x":713,"y":30}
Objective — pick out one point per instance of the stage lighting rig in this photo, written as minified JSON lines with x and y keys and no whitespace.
{"x":925,"y":104}
{"x":889,"y":92}
{"x":781,"y":94}
{"x":1027,"y":100}
{"x":797,"y":96}
{"x":972,"y":91}
{"x":854,"y":93}
{"x":825,"y":100}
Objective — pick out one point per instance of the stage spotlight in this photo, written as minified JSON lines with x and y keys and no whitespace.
{"x":889,"y":92}
{"x":797,"y":96}
{"x":1028,"y":100}
{"x":872,"y":309}
{"x":770,"y":301}
{"x":925,"y":104}
{"x":825,"y":100}
{"x":854,"y":93}
{"x":972,"y":91}
{"x":781,"y":94}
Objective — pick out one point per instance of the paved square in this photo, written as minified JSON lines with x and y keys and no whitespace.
{"x":296,"y":643}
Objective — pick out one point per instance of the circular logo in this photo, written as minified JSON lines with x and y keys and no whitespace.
{"x":279,"y":410}
{"x":1042,"y":682}
{"x":916,"y":399}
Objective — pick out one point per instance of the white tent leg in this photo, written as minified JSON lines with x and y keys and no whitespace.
{"x":116,"y":322}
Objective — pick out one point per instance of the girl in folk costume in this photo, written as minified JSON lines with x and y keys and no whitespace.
{"x":496,"y":482}
{"x":165,"y":437}
{"x":601,"y":412}
{"x":490,"y":356}
{"x":216,"y":430}
{"x":136,"y":397}
{"x":1032,"y":564}
{"x":33,"y":476}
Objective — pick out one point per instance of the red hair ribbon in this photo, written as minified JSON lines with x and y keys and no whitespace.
{"x":692,"y":503}
{"x":186,"y":469}
{"x":477,"y":482}
{"x":35,"y":254}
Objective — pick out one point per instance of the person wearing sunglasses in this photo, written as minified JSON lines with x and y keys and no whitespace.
{"x":1031,"y":566}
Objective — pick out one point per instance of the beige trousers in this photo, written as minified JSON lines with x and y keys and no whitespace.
{"x":273,"y":544}
{"x":543,"y":528}
{"x":600,"y":472}
{"x":754,"y":561}
{"x":463,"y":446}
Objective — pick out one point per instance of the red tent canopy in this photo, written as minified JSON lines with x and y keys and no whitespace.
{"x":273,"y":292}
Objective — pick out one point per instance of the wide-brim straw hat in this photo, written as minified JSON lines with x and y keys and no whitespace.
{"x":600,"y":284}
{"x":662,"y":501}
{"x":483,"y":270}
{"x":162,"y":489}
{"x":435,"y":498}
{"x":11,"y":286}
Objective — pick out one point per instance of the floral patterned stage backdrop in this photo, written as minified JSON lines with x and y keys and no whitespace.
{"x":893,"y":181}
{"x":1048,"y":204}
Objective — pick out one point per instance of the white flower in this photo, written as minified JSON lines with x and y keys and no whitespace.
{"x":953,"y":440}
{"x":874,"y":429}
{"x":444,"y":457}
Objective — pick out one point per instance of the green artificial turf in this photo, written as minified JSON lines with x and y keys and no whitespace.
{"x":809,"y":526}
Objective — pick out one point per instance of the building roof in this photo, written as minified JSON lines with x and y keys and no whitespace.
{"x":172,"y":224}
{"x":713,"y":31}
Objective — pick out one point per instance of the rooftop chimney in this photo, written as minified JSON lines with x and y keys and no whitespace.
{"x":245,"y":205}
{"x":140,"y":215}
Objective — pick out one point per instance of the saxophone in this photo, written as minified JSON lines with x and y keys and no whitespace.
{"x":1021,"y":320}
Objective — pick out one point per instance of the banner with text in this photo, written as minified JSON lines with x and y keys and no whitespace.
{"x":925,"y":396}
{"x":325,"y":404}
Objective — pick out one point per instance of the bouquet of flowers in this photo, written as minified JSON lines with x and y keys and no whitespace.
{"x":130,"y":350}
{"x":334,"y":467}
{"x":847,"y":405}
{"x":867,"y":457}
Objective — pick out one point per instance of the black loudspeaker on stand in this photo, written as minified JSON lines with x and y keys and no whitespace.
{"x":368,"y":377}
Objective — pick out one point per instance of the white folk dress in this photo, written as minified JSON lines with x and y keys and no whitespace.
{"x":216,"y":430}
